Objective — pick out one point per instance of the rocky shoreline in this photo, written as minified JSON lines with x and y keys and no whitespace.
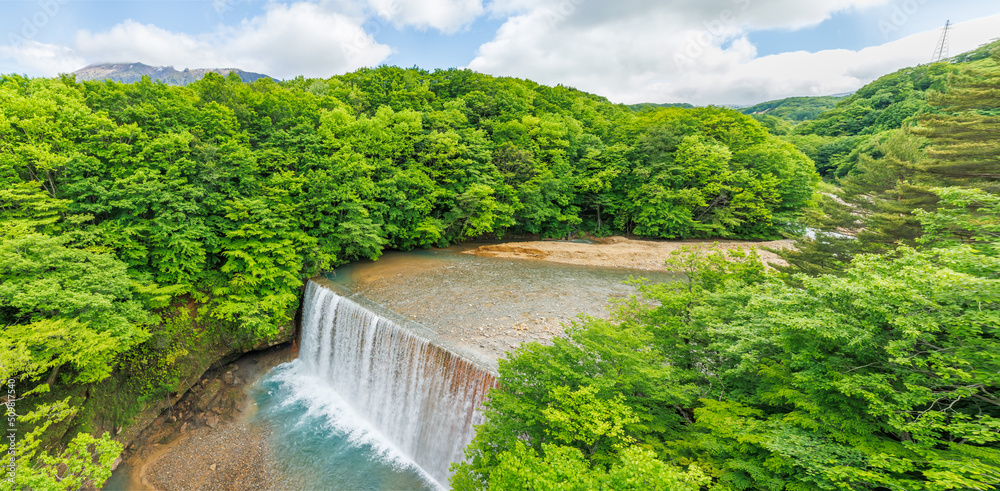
{"x":208,"y":439}
{"x":233,"y":455}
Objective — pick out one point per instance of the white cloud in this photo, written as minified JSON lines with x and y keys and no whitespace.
{"x":753,"y":14}
{"x":310,"y":39}
{"x":692,"y":50}
{"x":628,"y":50}
{"x":131,"y":41}
{"x":303,"y":39}
{"x":824,"y":72}
{"x":35,"y":57}
{"x":447,"y":16}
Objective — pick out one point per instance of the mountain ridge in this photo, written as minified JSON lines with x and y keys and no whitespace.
{"x":133,"y":72}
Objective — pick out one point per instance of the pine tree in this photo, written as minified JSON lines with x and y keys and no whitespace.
{"x":963,"y":133}
{"x":893,"y":183}
{"x":885,"y":190}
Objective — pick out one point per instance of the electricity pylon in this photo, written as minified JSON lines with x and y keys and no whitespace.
{"x":941,"y":51}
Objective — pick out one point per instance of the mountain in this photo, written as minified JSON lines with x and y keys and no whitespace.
{"x":795,"y":108}
{"x":792,"y":108}
{"x":837,"y":138}
{"x":133,"y":72}
{"x":649,"y":105}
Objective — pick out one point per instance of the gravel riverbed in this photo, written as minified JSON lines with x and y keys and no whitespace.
{"x":233,"y":456}
{"x":209,"y":441}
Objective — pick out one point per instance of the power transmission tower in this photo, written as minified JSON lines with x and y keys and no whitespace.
{"x":941,"y":51}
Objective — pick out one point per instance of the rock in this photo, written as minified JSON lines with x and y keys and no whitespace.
{"x":228,"y":378}
{"x":208,"y":395}
{"x":116,"y":463}
{"x":216,"y":410}
{"x":211,"y":467}
{"x":212,"y":421}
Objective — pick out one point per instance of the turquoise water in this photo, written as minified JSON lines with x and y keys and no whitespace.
{"x":319,"y":443}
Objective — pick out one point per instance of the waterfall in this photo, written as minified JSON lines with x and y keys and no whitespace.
{"x":421,"y":397}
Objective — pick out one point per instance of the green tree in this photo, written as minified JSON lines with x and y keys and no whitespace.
{"x":963,"y":145}
{"x":84,"y":462}
{"x":882,"y":378}
{"x":60,"y":305}
{"x":264,"y":260}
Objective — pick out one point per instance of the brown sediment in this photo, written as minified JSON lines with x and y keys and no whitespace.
{"x":621,"y":252}
{"x":140,"y":475}
{"x":234,"y":456}
{"x":500,"y":318}
{"x":207,"y":440}
{"x":483,"y":308}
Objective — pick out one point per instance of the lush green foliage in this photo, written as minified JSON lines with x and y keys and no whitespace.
{"x":129,"y":213}
{"x":887,"y":177}
{"x":881,"y":105}
{"x":645,"y":106}
{"x":885,"y":377}
{"x":133,"y":217}
{"x":837,"y":138}
{"x":85,"y":460}
{"x":795,"y":108}
{"x":231,"y":192}
{"x":869,"y":371}
{"x":963,"y":133}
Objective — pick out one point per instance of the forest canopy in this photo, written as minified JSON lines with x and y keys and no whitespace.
{"x":132,"y":216}
{"x":232,"y":192}
{"x":136,"y":217}
{"x":871,"y":361}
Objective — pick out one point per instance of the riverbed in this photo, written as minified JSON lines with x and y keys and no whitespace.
{"x":484,"y":307}
{"x":294,"y":431}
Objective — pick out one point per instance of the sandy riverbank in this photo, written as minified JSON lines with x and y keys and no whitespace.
{"x":620,"y":252}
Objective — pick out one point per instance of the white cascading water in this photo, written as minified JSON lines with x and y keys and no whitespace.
{"x":421,"y":397}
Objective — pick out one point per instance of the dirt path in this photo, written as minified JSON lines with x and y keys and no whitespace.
{"x":620,"y":252}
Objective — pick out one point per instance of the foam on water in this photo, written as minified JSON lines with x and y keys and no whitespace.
{"x":411,"y":403}
{"x":308,"y":406}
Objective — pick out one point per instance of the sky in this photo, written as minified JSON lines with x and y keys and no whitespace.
{"x":630,"y":51}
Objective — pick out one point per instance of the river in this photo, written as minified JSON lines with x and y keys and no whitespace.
{"x":370,"y":404}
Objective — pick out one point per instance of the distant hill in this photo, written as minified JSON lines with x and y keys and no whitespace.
{"x":650,"y":105}
{"x":980,"y":53}
{"x":795,"y":108}
{"x":792,"y":108}
{"x":133,"y":72}
{"x":836,"y":139}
